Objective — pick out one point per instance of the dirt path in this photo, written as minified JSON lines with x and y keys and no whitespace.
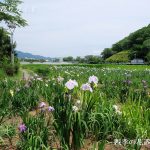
{"x":26,"y":75}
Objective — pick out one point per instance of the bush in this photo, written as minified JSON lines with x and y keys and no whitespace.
{"x":10,"y":69}
{"x":148,"y":57}
{"x":16,"y":68}
{"x":43,"y":72}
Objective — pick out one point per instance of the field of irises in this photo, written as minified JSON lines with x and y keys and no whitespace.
{"x":76,"y":108}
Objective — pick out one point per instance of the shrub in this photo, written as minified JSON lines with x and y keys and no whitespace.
{"x":9,"y":69}
{"x":16,"y":68}
{"x":43,"y":72}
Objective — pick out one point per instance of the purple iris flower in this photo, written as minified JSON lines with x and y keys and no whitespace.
{"x":93,"y":79}
{"x":51,"y":109}
{"x":71,"y":84}
{"x":128,"y":82}
{"x":42,"y":104}
{"x":86,"y":87}
{"x":22,"y":128}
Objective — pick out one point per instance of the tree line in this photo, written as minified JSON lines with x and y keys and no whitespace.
{"x":90,"y":59}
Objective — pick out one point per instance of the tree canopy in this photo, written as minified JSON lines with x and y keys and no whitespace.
{"x":9,"y":12}
{"x":68,"y":59}
{"x":5,"y":46}
{"x":138,"y":44}
{"x":107,"y":52}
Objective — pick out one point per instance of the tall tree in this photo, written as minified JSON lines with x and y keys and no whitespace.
{"x":5,"y":46}
{"x":11,"y":15}
{"x":107,"y":52}
{"x":9,"y":12}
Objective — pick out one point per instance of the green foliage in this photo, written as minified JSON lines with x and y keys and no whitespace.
{"x":119,"y":57}
{"x":44,"y":72}
{"x":5,"y":54}
{"x":90,"y":59}
{"x":5,"y":46}
{"x":68,"y":59}
{"x":146,"y":44}
{"x":10,"y":69}
{"x":37,"y":134}
{"x":7,"y":131}
{"x":96,"y":118}
{"x":10,"y":13}
{"x":2,"y":74}
{"x":137,"y":43}
{"x":148,"y":57}
{"x":107,"y":52}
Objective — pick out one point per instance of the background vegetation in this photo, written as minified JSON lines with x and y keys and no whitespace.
{"x":137,"y":44}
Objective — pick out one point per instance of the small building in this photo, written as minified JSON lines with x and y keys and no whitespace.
{"x":137,"y":61}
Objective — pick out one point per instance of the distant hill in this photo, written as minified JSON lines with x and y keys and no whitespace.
{"x":23,"y":55}
{"x":137,"y":44}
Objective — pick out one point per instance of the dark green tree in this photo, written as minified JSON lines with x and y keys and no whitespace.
{"x":107,"y":52}
{"x":90,"y":59}
{"x":80,"y":60}
{"x":148,"y":57}
{"x":68,"y":59}
{"x":5,"y":46}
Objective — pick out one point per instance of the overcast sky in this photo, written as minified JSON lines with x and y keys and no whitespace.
{"x":60,"y":28}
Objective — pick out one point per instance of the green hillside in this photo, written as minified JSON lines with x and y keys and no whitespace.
{"x":137,"y":44}
{"x":119,"y":57}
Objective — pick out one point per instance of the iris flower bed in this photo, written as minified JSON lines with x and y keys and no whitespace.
{"x":72,"y":105}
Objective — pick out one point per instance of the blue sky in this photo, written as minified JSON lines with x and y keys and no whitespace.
{"x":59,"y":28}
